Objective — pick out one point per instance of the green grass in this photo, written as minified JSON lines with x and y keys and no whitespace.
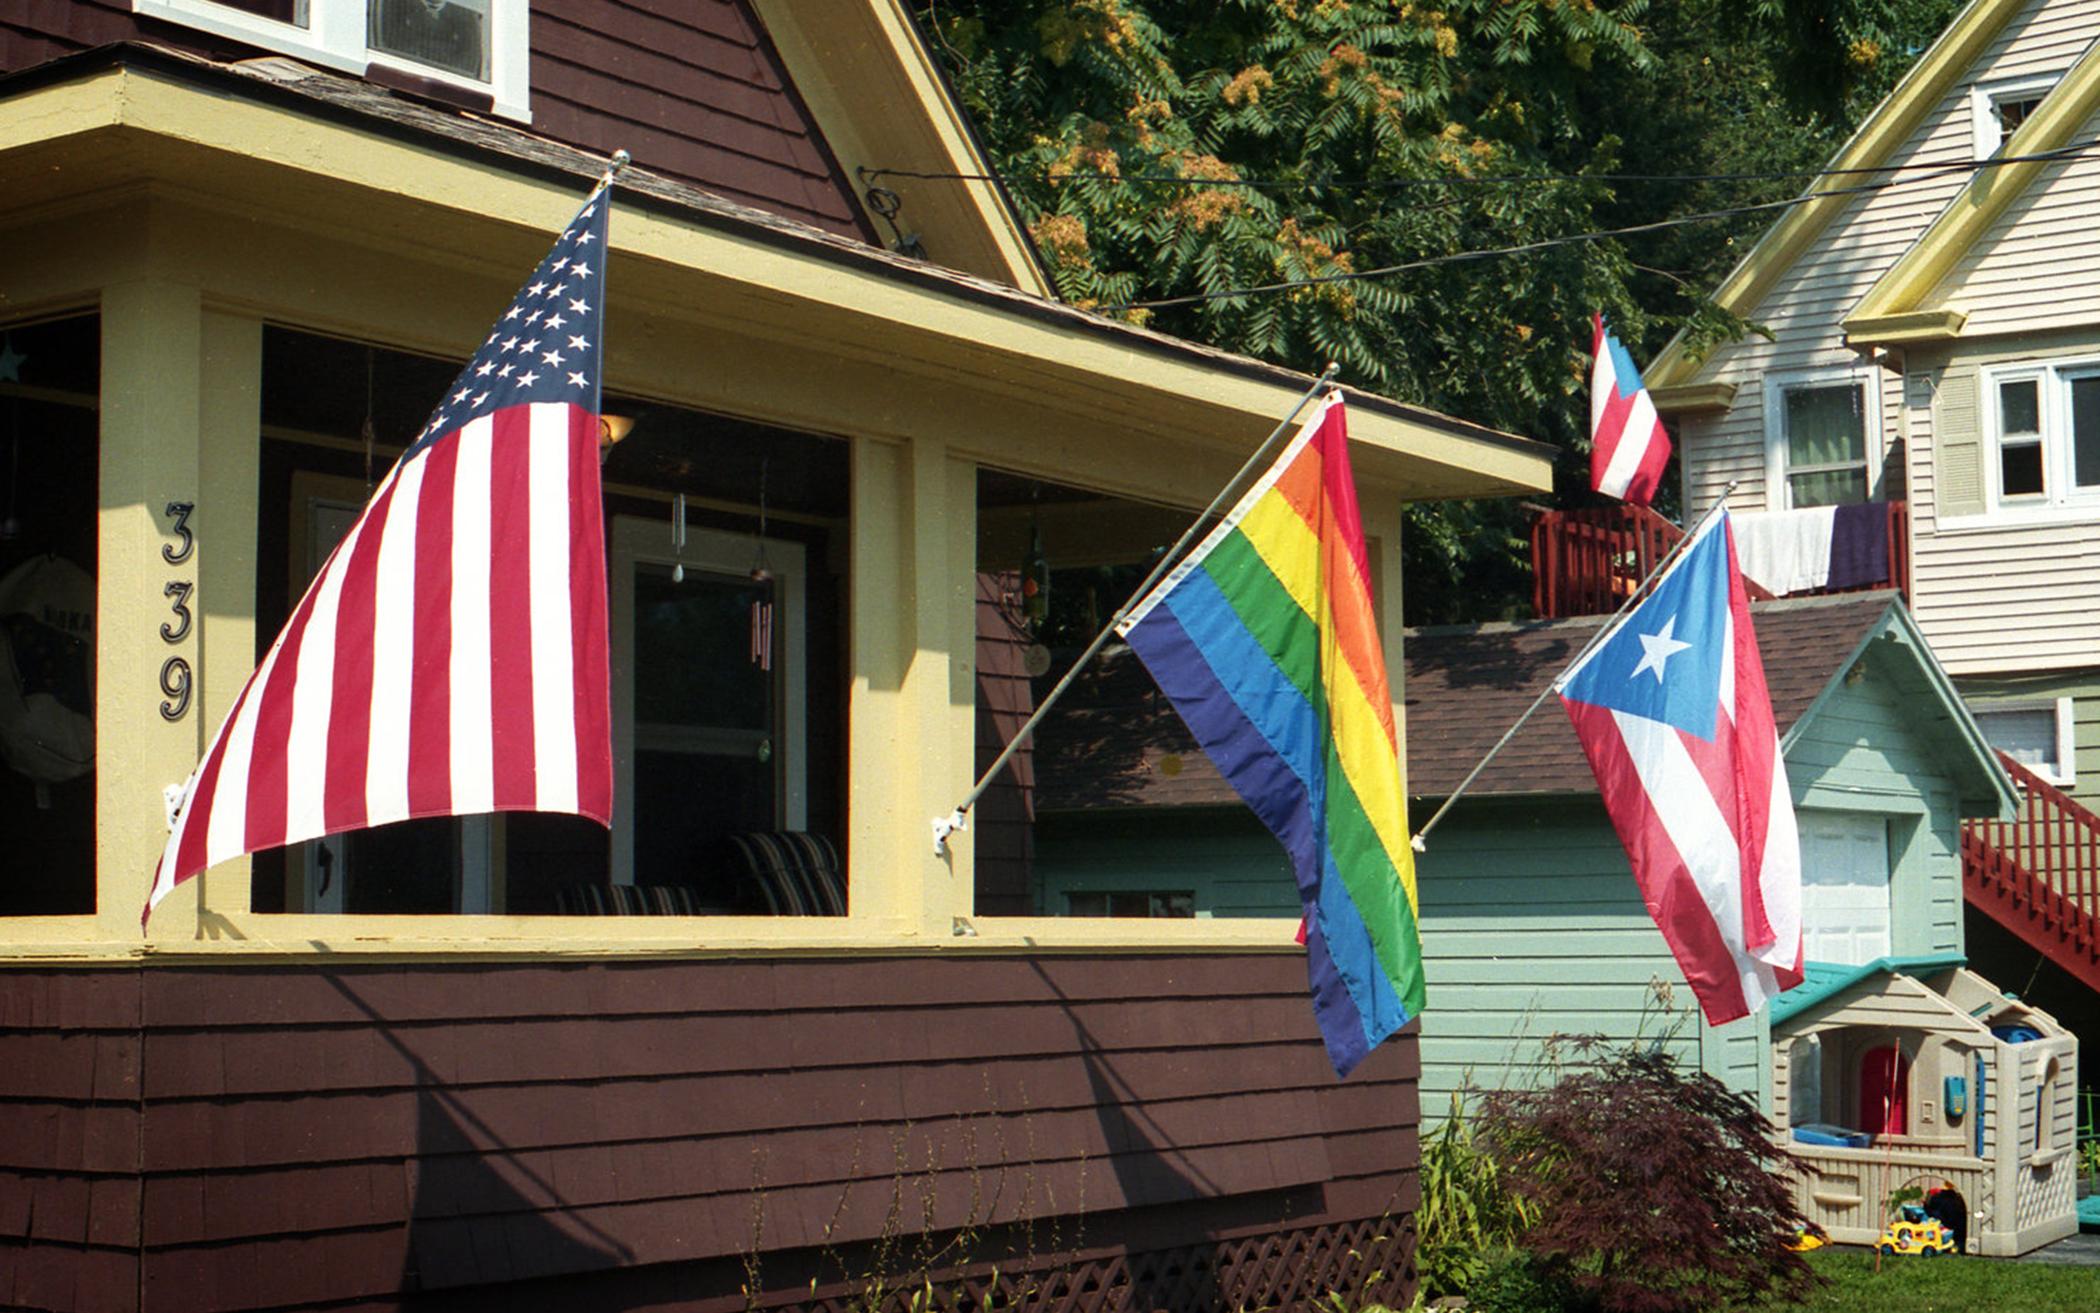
{"x":1946,"y":1285}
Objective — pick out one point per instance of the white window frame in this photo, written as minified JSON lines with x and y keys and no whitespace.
{"x":1985,"y":97}
{"x":2065,"y":773}
{"x":2060,"y":496}
{"x":1779,"y":494}
{"x":334,"y":37}
{"x":637,"y":541}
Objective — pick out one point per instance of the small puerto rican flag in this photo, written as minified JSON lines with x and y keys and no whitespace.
{"x":1628,"y":447}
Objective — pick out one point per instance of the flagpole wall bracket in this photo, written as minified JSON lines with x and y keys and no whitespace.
{"x":943,"y":826}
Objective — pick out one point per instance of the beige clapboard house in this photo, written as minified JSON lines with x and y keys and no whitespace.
{"x":1936,"y":340}
{"x":1932,"y":341}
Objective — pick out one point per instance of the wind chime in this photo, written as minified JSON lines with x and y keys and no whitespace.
{"x":761,"y":574}
{"x":762,"y":600}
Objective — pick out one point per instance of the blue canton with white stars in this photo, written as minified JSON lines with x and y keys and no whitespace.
{"x":545,"y":346}
{"x":1664,"y":662}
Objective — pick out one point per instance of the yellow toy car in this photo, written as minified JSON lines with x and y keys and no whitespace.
{"x":1915,"y":1233}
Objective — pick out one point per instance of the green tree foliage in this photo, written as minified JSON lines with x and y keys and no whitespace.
{"x":1180,"y":148}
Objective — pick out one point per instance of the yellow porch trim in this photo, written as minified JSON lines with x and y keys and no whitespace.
{"x":193,"y":217}
{"x":1896,"y":329}
{"x":1910,"y":283}
{"x":1686,"y":398}
{"x":847,"y":56}
{"x":256,"y":160}
{"x":293,"y":938}
{"x":1886,"y":129}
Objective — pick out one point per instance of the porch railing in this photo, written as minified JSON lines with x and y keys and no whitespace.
{"x":1586,"y":562}
{"x":2038,"y":874}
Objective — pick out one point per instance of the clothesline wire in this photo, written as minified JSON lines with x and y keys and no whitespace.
{"x":1596,"y":235}
{"x":1053,"y":174}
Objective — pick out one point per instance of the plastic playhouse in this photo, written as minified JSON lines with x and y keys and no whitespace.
{"x":1914,"y":1076}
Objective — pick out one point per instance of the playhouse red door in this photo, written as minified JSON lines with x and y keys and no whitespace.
{"x":1884,"y":1088}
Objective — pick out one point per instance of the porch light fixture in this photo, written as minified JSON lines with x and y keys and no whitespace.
{"x":611,"y":429}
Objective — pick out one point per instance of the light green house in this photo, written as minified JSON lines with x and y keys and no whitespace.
{"x":1532,"y":927}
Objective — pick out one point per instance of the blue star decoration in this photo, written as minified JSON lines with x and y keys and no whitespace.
{"x":11,"y":361}
{"x":1664,"y":662}
{"x":545,"y":344}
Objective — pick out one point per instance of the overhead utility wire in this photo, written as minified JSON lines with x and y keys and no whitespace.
{"x":1455,"y":180}
{"x":1575,"y":239}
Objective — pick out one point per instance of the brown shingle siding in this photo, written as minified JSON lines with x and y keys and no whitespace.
{"x":694,"y":90}
{"x":349,"y":1133}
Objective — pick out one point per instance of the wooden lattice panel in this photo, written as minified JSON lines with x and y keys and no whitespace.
{"x":1367,"y":1261}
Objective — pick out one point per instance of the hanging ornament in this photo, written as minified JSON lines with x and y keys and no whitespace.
{"x":1035,"y":582}
{"x":1035,"y":600}
{"x":678,"y":538}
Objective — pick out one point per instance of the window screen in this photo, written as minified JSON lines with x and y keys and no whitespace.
{"x":449,"y":34}
{"x":1826,"y":445}
{"x":2026,"y":734}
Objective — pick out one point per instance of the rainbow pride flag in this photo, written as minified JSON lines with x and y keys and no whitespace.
{"x":1264,"y":639}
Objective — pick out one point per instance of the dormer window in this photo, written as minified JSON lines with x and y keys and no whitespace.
{"x":1997,"y":109}
{"x":478,"y":46}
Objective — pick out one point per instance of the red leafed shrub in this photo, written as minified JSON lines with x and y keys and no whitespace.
{"x":1650,"y":1184}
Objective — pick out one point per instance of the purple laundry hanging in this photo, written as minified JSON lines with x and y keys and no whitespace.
{"x":1859,"y":546}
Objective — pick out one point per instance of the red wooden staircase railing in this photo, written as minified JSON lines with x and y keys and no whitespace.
{"x":2038,"y":875}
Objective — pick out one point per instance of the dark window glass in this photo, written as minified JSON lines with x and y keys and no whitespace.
{"x":2085,"y":431}
{"x":2019,"y":406}
{"x":2020,"y":469}
{"x":1178,"y":903}
{"x":284,"y":11}
{"x":2012,"y":113}
{"x":49,"y":376}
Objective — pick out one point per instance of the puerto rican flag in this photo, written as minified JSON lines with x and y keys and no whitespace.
{"x":450,"y":658}
{"x":1628,"y":447}
{"x":1673,"y":713}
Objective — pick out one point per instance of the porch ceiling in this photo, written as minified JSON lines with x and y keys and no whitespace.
{"x":301,"y":151}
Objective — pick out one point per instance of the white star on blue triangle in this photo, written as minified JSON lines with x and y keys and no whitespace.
{"x":1664,"y":662}
{"x":490,"y":381}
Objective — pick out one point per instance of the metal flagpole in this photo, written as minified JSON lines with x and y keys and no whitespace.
{"x":1638,"y":595}
{"x":943,"y":826}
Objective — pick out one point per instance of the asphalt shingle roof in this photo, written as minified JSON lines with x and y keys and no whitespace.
{"x":1116,"y":742}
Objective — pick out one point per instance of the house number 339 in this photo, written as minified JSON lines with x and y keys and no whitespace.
{"x":175,"y":679}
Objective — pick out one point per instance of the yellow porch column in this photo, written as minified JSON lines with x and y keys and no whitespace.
{"x":913,"y":699}
{"x":180,"y":391}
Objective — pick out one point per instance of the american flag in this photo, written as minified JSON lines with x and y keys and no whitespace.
{"x":450,"y":657}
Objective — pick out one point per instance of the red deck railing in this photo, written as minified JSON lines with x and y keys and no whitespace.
{"x":1587,"y":562}
{"x":2038,"y":874}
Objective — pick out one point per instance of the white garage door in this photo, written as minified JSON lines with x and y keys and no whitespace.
{"x":1844,"y":887}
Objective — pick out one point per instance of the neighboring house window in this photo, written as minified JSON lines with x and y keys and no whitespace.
{"x":1820,"y":437}
{"x":1997,"y":109}
{"x":2038,"y":735}
{"x":1146,"y":902}
{"x":2045,"y":428}
{"x":478,"y":45}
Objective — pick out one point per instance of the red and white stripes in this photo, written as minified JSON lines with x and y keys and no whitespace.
{"x":1629,"y":448}
{"x":449,"y":659}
